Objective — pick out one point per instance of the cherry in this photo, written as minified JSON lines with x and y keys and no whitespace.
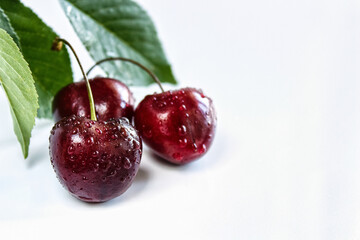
{"x":112,"y":98}
{"x":179,"y":126}
{"x":94,"y":160}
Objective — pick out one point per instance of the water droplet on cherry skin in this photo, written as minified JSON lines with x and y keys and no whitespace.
{"x":182,"y":107}
{"x":182,"y":142}
{"x":71,"y":149}
{"x":194,"y":147}
{"x":182,"y":130}
{"x":136,"y":145}
{"x":72,"y":158}
{"x":126,"y":163}
{"x":123,"y":132}
{"x":89,"y":140}
{"x":95,"y":153}
{"x":87,"y":124}
{"x":202,"y":148}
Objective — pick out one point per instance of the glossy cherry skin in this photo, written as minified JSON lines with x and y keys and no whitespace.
{"x":179,"y":126}
{"x":112,"y":98}
{"x":95,"y":160}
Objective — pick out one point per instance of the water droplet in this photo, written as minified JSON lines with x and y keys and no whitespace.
{"x":71,"y":149}
{"x":182,"y":108}
{"x":78,"y":145}
{"x":123,"y":132}
{"x":72,"y":158}
{"x":202,"y":148}
{"x":96,"y":167}
{"x":114,"y":136}
{"x":177,"y":156}
{"x":182,"y":142}
{"x":89,"y":140}
{"x":136,"y":145}
{"x":75,"y":131}
{"x":98,"y":131}
{"x":124,"y":119}
{"x":187,"y":115}
{"x":84,"y":178}
{"x":126,"y":163}
{"x":182,"y":130}
{"x":194,"y":146}
{"x":112,"y":173}
{"x":87,"y":124}
{"x":83,"y":163}
{"x":95,"y":153}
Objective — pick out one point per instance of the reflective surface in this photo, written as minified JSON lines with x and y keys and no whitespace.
{"x":178,"y":125}
{"x":112,"y":99}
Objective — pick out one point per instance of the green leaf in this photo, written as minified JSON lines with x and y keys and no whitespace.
{"x":51,"y":70}
{"x":17,"y":81}
{"x":119,"y":28}
{"x":5,"y":24}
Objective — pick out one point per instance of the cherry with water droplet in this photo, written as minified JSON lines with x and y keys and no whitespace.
{"x":95,"y":160}
{"x":179,"y":126}
{"x":78,"y":167}
{"x":190,"y":121}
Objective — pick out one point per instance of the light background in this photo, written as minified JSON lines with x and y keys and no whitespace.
{"x":285,"y":163}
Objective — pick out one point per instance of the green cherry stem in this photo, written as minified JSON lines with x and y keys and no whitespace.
{"x":153,"y":76}
{"x":57,"y":45}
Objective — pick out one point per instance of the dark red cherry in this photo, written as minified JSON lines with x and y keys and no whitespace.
{"x":95,"y":160}
{"x":178,"y":125}
{"x":112,"y":98}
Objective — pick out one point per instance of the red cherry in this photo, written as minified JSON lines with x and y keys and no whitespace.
{"x":112,"y":98}
{"x":95,"y":160}
{"x":178,"y":125}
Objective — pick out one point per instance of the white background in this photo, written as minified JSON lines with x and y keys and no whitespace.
{"x":285,"y":163}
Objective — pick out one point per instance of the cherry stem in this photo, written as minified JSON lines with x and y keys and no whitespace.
{"x":57,"y":45}
{"x":153,"y":76}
